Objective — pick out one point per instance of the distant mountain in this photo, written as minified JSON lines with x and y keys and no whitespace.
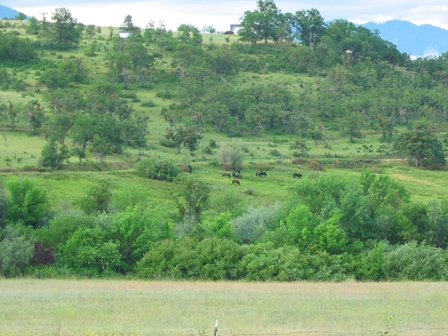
{"x":7,"y":13}
{"x":424,"y":40}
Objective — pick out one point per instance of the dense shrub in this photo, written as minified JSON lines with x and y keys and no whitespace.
{"x":416,"y":262}
{"x":250,"y":226}
{"x":157,"y":169}
{"x":209,"y":259}
{"x":91,"y":250}
{"x":16,"y":250}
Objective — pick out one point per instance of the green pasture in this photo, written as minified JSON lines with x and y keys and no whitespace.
{"x":22,"y":150}
{"x":121,"y":307}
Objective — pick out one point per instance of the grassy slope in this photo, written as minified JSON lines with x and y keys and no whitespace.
{"x":23,"y":149}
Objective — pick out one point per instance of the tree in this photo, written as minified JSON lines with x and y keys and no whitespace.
{"x":192,"y":199}
{"x":36,"y":114}
{"x":263,"y":23}
{"x":90,"y":30}
{"x":27,"y":202}
{"x":53,"y":156}
{"x":421,"y":146}
{"x":232,"y":155}
{"x":65,"y":31}
{"x":20,"y":16}
{"x":33,"y":27}
{"x":190,"y":35}
{"x":187,"y":136}
{"x":129,"y":26}
{"x":310,"y":26}
{"x":97,"y":199}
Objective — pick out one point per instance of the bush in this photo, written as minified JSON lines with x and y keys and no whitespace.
{"x":209,"y":259}
{"x":157,"y":169}
{"x":16,"y":250}
{"x":167,"y":143}
{"x":416,"y":262}
{"x":148,"y":103}
{"x":274,"y":152}
{"x":90,"y":251}
{"x":251,"y":226}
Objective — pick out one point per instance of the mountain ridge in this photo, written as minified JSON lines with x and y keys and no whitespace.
{"x":415,"y":40}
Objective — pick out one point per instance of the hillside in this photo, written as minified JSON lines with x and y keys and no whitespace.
{"x":159,"y":154}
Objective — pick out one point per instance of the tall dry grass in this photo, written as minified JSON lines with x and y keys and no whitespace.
{"x":100,"y":307}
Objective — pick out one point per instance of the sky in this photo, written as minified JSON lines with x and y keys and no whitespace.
{"x":221,"y":14}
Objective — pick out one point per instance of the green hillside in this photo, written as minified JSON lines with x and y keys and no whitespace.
{"x":99,"y":133}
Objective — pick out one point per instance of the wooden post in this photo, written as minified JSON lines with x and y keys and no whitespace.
{"x":216,"y":328}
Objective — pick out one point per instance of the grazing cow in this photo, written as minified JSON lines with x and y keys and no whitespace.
{"x":298,"y":175}
{"x":261,"y":173}
{"x":226,"y":175}
{"x":238,"y":176}
{"x":236,"y":182}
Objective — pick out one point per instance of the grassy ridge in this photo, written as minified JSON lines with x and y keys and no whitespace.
{"x":38,"y":307}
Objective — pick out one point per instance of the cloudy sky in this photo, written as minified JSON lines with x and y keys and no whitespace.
{"x":220,"y":14}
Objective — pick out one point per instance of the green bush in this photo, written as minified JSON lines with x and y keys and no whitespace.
{"x":157,"y":169}
{"x":16,"y":250}
{"x":416,"y":262}
{"x":209,"y":259}
{"x":91,"y":251}
{"x":148,"y":103}
{"x":251,"y":226}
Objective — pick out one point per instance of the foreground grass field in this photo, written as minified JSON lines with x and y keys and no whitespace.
{"x":70,"y":307}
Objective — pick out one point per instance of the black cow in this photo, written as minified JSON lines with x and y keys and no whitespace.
{"x":298,"y":175}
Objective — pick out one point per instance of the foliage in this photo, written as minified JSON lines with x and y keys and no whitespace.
{"x":251,"y":225}
{"x":157,"y":169}
{"x":137,"y":230}
{"x":16,"y":250}
{"x":16,"y":50}
{"x":341,"y":82}
{"x":90,"y":250}
{"x":192,"y":198}
{"x":97,"y":199}
{"x":211,"y":258}
{"x":27,"y":202}
{"x":62,"y":226}
{"x":53,"y":156}
{"x":232,"y":155}
{"x":421,"y":146}
{"x":63,"y":32}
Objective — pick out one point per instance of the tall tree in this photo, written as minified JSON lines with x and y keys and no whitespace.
{"x":262,"y":24}
{"x":310,"y":26}
{"x":65,"y":31}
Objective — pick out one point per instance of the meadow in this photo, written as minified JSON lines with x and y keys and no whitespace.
{"x":128,"y":307}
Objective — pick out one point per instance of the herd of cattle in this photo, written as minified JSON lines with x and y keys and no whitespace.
{"x":236,"y":174}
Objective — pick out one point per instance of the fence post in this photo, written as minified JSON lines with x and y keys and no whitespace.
{"x":216,"y":328}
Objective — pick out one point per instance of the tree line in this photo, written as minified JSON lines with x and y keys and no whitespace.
{"x":330,"y":229}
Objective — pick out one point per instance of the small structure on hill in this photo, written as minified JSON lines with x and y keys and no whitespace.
{"x":124,"y":34}
{"x":235,"y":28}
